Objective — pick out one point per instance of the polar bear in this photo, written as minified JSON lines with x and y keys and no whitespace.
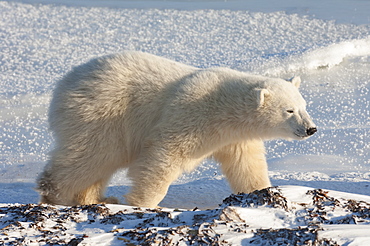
{"x":160,"y":118}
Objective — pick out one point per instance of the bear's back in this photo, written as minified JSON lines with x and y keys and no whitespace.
{"x":110,"y":83}
{"x":123,"y":91}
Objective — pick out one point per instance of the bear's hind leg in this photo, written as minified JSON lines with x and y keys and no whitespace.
{"x":66,"y":182}
{"x":245,"y":166}
{"x":94,"y":194}
{"x":87,"y":187}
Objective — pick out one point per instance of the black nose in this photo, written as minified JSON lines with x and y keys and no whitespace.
{"x":310,"y":131}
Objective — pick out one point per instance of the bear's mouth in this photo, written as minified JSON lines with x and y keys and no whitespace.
{"x":301,"y":136}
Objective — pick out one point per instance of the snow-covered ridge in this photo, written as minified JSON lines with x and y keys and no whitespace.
{"x":334,"y":54}
{"x":324,"y":57}
{"x":294,"y":215}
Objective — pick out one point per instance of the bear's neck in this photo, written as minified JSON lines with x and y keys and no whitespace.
{"x":231,"y":112}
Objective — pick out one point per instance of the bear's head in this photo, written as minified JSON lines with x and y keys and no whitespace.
{"x":282,"y":110}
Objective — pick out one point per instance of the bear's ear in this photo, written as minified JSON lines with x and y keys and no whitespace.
{"x":296,"y":81}
{"x":261,"y":96}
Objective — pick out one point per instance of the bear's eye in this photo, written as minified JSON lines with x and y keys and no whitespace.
{"x":290,"y":111}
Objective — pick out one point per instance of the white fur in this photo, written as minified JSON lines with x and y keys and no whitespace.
{"x":159,"y":118}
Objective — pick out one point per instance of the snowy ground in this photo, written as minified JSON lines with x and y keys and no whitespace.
{"x":327,"y":43}
{"x":292,"y":216}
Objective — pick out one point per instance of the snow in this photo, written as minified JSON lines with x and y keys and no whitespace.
{"x":264,"y":217}
{"x":327,"y":43}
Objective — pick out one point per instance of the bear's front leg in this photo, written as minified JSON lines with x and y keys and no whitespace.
{"x":151,"y":179}
{"x":244,"y":165}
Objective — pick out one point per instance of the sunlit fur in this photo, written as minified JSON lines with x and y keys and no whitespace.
{"x":159,"y":118}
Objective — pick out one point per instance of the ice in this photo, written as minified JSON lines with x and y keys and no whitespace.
{"x":326,"y":43}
